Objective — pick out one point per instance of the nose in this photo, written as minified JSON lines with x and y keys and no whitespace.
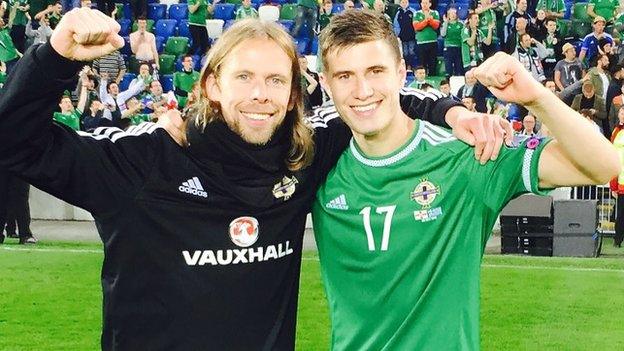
{"x":259,"y":92}
{"x":363,"y":89}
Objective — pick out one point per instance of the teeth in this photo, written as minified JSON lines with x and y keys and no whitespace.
{"x":256,"y":116}
{"x":365,"y":108}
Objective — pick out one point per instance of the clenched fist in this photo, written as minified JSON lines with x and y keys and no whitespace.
{"x":84,"y":35}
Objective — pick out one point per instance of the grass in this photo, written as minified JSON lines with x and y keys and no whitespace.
{"x":50,"y":299}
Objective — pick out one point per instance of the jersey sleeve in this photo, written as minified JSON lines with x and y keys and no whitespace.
{"x":98,"y":172}
{"x":514,"y":172}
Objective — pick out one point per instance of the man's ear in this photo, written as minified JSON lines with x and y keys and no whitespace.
{"x":325,"y":84}
{"x":212,"y":89}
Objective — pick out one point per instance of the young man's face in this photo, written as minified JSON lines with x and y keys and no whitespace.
{"x":187,"y":63}
{"x":551,"y":85}
{"x":365,"y":92}
{"x":142,"y":25}
{"x":599,"y":27}
{"x":525,"y":41}
{"x":570,"y":54}
{"x":156,"y":88}
{"x":113,"y":89}
{"x":403,"y":4}
{"x":246,"y":3}
{"x":469,"y":103}
{"x":254,"y":89}
{"x":327,"y":6}
{"x":522,"y":5}
{"x":451,"y":14}
{"x":144,"y":70}
{"x":551,"y":26}
{"x":445,"y":89}
{"x":66,"y":105}
{"x":420,"y":74}
{"x":425,"y":4}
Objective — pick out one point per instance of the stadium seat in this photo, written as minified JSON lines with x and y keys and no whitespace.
{"x":440,"y":67}
{"x":564,"y":27}
{"x":165,"y":28}
{"x":215,"y":28}
{"x":314,"y":46}
{"x":160,"y":44}
{"x":234,"y":2}
{"x":568,"y":10}
{"x":178,"y":11}
{"x":150,"y":26}
{"x":125,"y":25}
{"x":166,"y":63}
{"x":302,"y":45}
{"x":440,"y":51}
{"x":126,"y":48}
{"x":338,"y":8}
{"x":304,"y":31}
{"x":166,"y":80}
{"x":441,"y":8}
{"x":228,"y":24}
{"x":125,"y":81}
{"x":156,"y":11}
{"x":287,"y":24}
{"x":177,"y":45}
{"x":579,"y":13}
{"x":269,"y":13}
{"x":435,"y":81}
{"x":289,"y":12}
{"x":183,"y":29}
{"x":224,"y":11}
{"x":415,"y":5}
{"x":580,"y":28}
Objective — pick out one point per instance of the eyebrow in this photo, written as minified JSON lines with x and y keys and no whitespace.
{"x":368,"y":69}
{"x":272,"y":75}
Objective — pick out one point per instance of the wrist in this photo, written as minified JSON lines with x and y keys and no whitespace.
{"x":453,"y":114}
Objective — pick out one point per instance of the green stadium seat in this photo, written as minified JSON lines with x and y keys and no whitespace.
{"x":150,"y":26}
{"x":288,"y":12}
{"x":581,"y":28}
{"x":564,"y":27}
{"x":235,"y":2}
{"x":167,"y":63}
{"x":177,"y":46}
{"x":440,"y":67}
{"x":435,"y":81}
{"x":579,"y":12}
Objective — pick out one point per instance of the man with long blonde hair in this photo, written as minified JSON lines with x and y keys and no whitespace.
{"x":202,"y":243}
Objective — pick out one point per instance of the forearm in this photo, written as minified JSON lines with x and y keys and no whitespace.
{"x":594,"y":158}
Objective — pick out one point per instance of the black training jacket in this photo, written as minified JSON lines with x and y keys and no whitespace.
{"x":202,"y":244}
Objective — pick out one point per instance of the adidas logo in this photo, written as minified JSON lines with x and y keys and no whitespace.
{"x":193,"y":187}
{"x":339,"y":203}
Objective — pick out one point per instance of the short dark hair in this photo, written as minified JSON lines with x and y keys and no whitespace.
{"x":141,"y":18}
{"x":444,"y":82}
{"x":419,"y":67}
{"x":108,"y":85}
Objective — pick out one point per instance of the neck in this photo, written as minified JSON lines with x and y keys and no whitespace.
{"x":387,"y":140}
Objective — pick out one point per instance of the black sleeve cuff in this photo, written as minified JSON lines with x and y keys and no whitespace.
{"x":441,"y":107}
{"x":57,"y":66}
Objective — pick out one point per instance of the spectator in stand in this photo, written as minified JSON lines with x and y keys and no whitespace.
{"x":312,"y":91}
{"x":553,"y":45}
{"x":94,"y":117}
{"x":538,"y":26}
{"x":589,"y":115}
{"x":133,"y":115}
{"x":380,"y":7}
{"x":244,"y":11}
{"x":530,"y":53}
{"x":155,"y":99}
{"x":469,"y":103}
{"x":138,"y":9}
{"x":306,"y":13}
{"x":325,"y":15}
{"x":143,"y":44}
{"x":510,"y":20}
{"x":113,"y":64}
{"x":451,"y":31}
{"x":550,"y":84}
{"x":17,"y":22}
{"x":349,"y":5}
{"x":420,"y":77}
{"x":37,"y":6}
{"x":404,"y":29}
{"x":607,"y":48}
{"x":569,"y":70}
{"x":146,"y":77}
{"x":599,"y":75}
{"x":106,"y":6}
{"x":615,"y":88}
{"x":472,"y":38}
{"x":53,"y":13}
{"x":513,"y":40}
{"x":602,"y":8}
{"x":617,"y":184}
{"x":487,"y":20}
{"x":114,"y":100}
{"x":198,"y":11}
{"x":552,"y":8}
{"x":8,"y":53}
{"x":445,"y":87}
{"x":68,"y":115}
{"x":529,"y":126}
{"x":589,"y":47}
{"x":42,"y":34}
{"x":589,"y":100}
{"x":475,"y":89}
{"x":426,"y":24}
{"x":183,"y":81}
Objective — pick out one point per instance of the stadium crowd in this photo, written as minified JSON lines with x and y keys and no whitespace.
{"x":574,"y":48}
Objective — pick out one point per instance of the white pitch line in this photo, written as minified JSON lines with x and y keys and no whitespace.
{"x":8,"y":248}
{"x":570,"y":269}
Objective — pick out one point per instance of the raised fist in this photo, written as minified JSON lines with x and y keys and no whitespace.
{"x":84,"y":35}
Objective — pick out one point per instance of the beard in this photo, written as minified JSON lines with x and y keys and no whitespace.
{"x":253,"y":136}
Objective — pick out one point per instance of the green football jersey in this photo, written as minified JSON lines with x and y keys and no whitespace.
{"x":401,"y":238}
{"x":605,"y":8}
{"x":71,"y":119}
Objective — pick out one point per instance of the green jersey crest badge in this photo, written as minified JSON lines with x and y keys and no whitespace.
{"x":425,"y":194}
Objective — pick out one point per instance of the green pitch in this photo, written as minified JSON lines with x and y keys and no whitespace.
{"x":50,"y":299}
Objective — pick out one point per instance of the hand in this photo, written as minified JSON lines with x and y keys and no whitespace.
{"x":84,"y":34}
{"x":172,"y":122}
{"x":104,"y":76}
{"x":28,"y":16}
{"x":614,"y":194}
{"x":114,"y":13}
{"x":509,"y":81}
{"x":592,"y":111}
{"x":485,"y":132}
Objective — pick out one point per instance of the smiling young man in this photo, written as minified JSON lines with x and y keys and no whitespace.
{"x":202,"y":243}
{"x":402,"y":220}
